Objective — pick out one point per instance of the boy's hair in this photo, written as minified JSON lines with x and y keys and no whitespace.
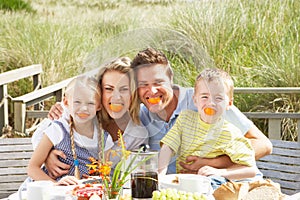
{"x":210,"y":74}
{"x":152,"y":56}
{"x":123,"y":66}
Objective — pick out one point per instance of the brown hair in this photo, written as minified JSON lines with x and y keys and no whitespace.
{"x":152,"y":56}
{"x":122,"y":65}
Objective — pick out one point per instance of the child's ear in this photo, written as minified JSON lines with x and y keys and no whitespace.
{"x":65,"y":101}
{"x":99,"y":107}
{"x":195,"y":100}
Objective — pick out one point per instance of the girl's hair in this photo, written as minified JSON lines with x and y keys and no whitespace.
{"x":121,"y":65}
{"x":90,"y":83}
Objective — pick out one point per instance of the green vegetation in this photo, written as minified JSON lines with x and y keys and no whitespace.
{"x":257,"y":42}
{"x":15,"y":5}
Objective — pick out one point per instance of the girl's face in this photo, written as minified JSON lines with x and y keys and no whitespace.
{"x":83,"y":105}
{"x":211,"y":100}
{"x":116,"y":95}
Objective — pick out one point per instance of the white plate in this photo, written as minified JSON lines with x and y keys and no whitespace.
{"x":186,"y":182}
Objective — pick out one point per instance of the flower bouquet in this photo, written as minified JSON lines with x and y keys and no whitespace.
{"x":114,"y":182}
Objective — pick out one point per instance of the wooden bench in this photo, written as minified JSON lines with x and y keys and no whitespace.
{"x":283,"y":165}
{"x":6,"y":78}
{"x":14,"y":156}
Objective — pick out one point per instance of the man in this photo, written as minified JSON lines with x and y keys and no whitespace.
{"x":162,"y":103}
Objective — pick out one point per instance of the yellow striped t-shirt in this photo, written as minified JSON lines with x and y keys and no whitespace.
{"x":191,"y":136}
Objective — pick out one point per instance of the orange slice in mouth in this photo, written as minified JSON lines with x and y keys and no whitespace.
{"x":154,"y":100}
{"x":209,"y":111}
{"x":83,"y":115}
{"x":116,"y":107}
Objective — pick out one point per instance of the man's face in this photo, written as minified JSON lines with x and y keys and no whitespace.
{"x":154,"y":87}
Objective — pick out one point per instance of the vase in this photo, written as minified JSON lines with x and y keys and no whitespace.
{"x":115,"y":193}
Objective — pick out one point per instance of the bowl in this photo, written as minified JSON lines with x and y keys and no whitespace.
{"x":186,"y":182}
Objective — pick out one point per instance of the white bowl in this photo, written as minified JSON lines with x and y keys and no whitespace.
{"x":186,"y":182}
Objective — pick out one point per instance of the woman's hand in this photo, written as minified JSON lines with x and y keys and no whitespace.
{"x":55,"y":111}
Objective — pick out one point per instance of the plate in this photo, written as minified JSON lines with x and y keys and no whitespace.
{"x":186,"y":182}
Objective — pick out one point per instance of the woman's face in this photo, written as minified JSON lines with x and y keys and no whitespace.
{"x":116,"y":95}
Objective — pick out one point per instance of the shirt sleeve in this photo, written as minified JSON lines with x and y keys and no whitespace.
{"x":237,"y":118}
{"x":54,"y":133}
{"x":173,"y":137}
{"x":39,"y":132}
{"x":240,"y":150}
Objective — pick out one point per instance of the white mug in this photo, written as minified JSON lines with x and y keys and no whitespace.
{"x":36,"y":190}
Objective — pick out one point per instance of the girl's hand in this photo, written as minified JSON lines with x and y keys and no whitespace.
{"x":67,"y":180}
{"x":208,"y":171}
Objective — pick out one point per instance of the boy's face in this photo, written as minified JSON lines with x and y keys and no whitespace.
{"x":154,"y":87}
{"x":83,"y":105}
{"x":211,"y":100}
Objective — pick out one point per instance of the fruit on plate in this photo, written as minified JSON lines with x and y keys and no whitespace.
{"x":88,"y":192}
{"x":173,"y":194}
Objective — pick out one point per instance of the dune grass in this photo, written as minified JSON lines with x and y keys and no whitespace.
{"x":257,"y":42}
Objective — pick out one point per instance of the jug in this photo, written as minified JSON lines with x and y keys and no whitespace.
{"x":144,"y":179}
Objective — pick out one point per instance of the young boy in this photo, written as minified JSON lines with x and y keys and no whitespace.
{"x":206,"y":134}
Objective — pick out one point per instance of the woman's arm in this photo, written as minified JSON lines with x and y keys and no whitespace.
{"x":39,"y":156}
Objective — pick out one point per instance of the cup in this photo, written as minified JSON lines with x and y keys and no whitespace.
{"x":143,"y":184}
{"x":194,"y":183}
{"x":37,"y":190}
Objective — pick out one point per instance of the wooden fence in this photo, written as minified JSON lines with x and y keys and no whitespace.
{"x":21,"y":103}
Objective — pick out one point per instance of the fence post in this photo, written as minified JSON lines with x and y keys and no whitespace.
{"x":274,"y":129}
{"x":3,"y":107}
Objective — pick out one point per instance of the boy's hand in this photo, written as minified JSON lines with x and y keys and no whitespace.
{"x":54,"y":166}
{"x":55,"y":111}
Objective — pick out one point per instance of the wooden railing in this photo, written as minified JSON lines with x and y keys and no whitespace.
{"x":274,"y":119}
{"x":20,"y":104}
{"x":33,"y":98}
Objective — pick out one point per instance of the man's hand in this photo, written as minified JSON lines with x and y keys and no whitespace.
{"x":55,"y":111}
{"x":193,"y":163}
{"x":54,"y":166}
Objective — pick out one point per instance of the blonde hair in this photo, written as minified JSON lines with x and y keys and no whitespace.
{"x":80,"y":81}
{"x":211,"y":74}
{"x":122,"y":65}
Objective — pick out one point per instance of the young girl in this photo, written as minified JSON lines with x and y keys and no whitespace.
{"x":77,"y":138}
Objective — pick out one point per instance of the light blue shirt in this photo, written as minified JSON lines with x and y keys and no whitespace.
{"x":158,"y":128}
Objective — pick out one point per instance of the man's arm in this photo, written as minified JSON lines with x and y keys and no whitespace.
{"x":260,"y":143}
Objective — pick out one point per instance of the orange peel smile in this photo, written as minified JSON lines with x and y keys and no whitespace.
{"x":116,"y":107}
{"x":209,"y":111}
{"x":82,"y":115}
{"x":154,"y":100}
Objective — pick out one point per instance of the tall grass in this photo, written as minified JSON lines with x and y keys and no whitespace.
{"x":256,"y":41}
